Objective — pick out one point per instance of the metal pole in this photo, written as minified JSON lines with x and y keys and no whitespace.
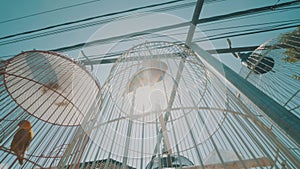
{"x":179,"y":72}
{"x":284,"y":119}
{"x":194,"y":22}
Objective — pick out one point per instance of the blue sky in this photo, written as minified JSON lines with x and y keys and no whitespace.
{"x":11,"y":9}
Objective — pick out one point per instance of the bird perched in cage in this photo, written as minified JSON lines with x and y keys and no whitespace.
{"x":22,"y":139}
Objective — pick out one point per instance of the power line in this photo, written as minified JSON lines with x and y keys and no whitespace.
{"x":90,"y":18}
{"x":111,"y":39}
{"x":99,"y":22}
{"x":108,"y":57}
{"x":109,"y":60}
{"x":259,"y":28}
{"x":247,"y":33}
{"x":212,"y":37}
{"x":286,"y":23}
{"x":85,"y":25}
{"x":247,"y":12}
{"x":148,"y":32}
{"x":239,"y":49}
{"x":268,"y":12}
{"x":72,"y":47}
{"x":254,"y":24}
{"x":204,"y":20}
{"x":114,"y":56}
{"x":58,"y":9}
{"x":44,"y":12}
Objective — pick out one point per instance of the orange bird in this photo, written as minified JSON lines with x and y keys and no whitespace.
{"x":22,"y":140}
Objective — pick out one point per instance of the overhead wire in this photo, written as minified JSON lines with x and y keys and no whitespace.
{"x":290,"y":24}
{"x":48,"y":11}
{"x":91,"y":18}
{"x":204,"y":20}
{"x":247,"y":33}
{"x":256,"y":29}
{"x":80,"y":45}
{"x":110,"y":57}
{"x":58,"y":9}
{"x":144,"y":33}
{"x":271,"y":9}
{"x":85,"y":25}
{"x":271,"y":25}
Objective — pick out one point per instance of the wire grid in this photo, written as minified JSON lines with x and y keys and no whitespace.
{"x":205,"y":122}
{"x":54,"y":93}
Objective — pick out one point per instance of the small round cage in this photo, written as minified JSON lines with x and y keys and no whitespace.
{"x":54,"y":94}
{"x":275,"y":69}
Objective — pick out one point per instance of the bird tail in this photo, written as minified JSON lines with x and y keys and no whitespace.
{"x":20,"y":159}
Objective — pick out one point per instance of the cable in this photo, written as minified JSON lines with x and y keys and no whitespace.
{"x":262,"y":14}
{"x":247,"y":12}
{"x":224,"y":28}
{"x":212,"y":37}
{"x":253,"y":24}
{"x":115,"y":13}
{"x":91,"y":18}
{"x":108,"y":57}
{"x":85,"y":25}
{"x":204,"y":20}
{"x":110,"y":60}
{"x":107,"y":41}
{"x":53,"y":10}
{"x":57,"y":9}
{"x":82,"y":44}
{"x":248,"y":33}
{"x":256,"y":29}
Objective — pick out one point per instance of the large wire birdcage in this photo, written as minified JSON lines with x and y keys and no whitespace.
{"x":164,"y":107}
{"x":54,"y":94}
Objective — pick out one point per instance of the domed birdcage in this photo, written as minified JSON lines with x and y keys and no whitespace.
{"x":276,"y":73}
{"x":163,"y":107}
{"x":51,"y":92}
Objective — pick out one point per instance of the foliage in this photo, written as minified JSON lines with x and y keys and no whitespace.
{"x":296,"y":77}
{"x":291,"y":41}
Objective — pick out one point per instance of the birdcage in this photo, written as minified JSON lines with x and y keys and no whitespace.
{"x":162,"y":106}
{"x":279,"y":60}
{"x":51,"y":91}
